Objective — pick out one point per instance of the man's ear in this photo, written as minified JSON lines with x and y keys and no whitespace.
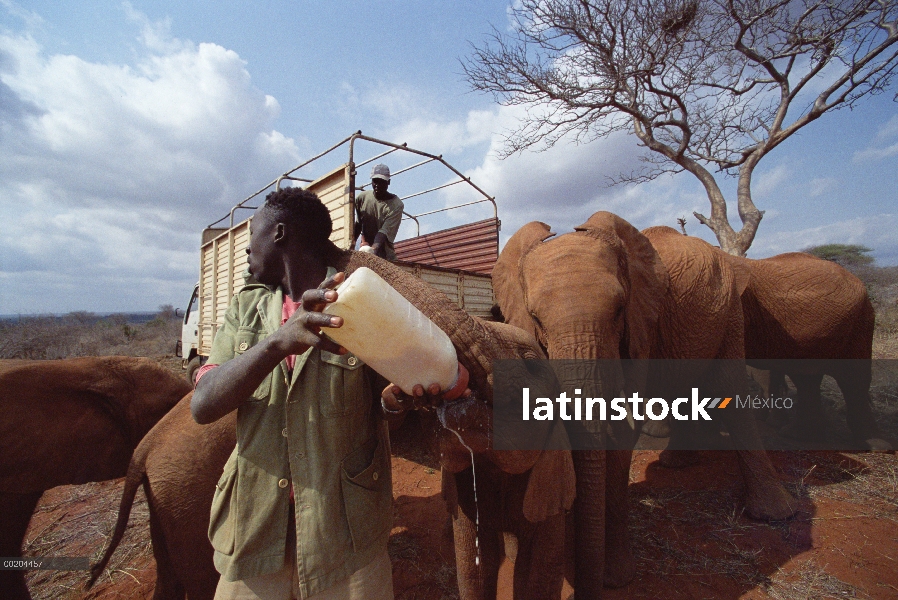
{"x":280,"y":233}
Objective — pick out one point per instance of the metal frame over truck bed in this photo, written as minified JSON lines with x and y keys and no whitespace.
{"x":457,"y":261}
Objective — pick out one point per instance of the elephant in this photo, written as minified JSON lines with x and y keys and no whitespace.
{"x":798,"y":306}
{"x":702,"y":318}
{"x":69,"y":422}
{"x":179,"y":463}
{"x":592,"y":294}
{"x":607,"y":291}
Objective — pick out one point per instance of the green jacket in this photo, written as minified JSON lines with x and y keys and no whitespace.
{"x":321,"y":432}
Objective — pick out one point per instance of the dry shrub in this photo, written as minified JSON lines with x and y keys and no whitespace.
{"x":84,"y":334}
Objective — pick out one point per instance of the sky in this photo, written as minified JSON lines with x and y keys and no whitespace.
{"x":128,"y":127}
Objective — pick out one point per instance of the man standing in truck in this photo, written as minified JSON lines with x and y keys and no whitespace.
{"x":304,"y":506}
{"x":380,"y":213}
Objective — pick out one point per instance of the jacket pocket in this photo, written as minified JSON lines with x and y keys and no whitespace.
{"x":367,"y":493}
{"x":344,"y":380}
{"x":223,"y":516}
{"x":245,"y":339}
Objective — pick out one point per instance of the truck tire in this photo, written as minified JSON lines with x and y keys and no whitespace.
{"x":192,"y":367}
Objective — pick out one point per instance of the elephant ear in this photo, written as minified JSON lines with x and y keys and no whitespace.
{"x":507,"y":275}
{"x":551,"y":487}
{"x":646,"y":280}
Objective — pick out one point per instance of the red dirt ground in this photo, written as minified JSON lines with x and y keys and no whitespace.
{"x":690,"y":537}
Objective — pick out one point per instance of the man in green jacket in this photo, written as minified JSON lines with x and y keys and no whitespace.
{"x":380,"y":214}
{"x":303,"y":507}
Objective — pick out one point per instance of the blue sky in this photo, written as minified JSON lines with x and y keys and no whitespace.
{"x":125,"y":128}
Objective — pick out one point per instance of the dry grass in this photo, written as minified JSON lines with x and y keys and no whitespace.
{"x":811,"y":580}
{"x":76,"y":521}
{"x":661,"y":520}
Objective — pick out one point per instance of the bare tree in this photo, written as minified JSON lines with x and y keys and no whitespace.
{"x":706,"y":85}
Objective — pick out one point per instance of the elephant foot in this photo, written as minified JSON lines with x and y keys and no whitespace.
{"x":770,"y":502}
{"x":658,"y":429}
{"x":678,"y":459}
{"x":774,"y":507}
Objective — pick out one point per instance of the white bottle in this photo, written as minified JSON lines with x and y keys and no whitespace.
{"x":396,"y":339}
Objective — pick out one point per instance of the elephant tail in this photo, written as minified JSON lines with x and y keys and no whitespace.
{"x":133,"y":480}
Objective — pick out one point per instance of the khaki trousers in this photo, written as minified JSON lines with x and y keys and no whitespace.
{"x":372,"y":582}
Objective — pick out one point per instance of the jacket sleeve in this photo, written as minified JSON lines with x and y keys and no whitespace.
{"x":223,"y":343}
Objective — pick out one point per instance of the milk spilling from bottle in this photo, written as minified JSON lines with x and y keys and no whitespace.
{"x":386,"y":331}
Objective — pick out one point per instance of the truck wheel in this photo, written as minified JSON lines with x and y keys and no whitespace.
{"x":192,"y":367}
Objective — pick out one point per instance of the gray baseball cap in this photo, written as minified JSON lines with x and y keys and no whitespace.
{"x":380,"y":172}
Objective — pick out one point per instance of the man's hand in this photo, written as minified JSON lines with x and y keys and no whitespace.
{"x":303,"y":329}
{"x":224,"y":388}
{"x":394,"y":400}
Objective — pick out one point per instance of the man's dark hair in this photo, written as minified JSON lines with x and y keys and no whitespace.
{"x":303,"y":212}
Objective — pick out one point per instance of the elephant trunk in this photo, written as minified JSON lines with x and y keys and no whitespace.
{"x":600,"y":508}
{"x":589,"y":519}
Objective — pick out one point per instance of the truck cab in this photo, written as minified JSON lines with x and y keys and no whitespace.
{"x":187,"y":347}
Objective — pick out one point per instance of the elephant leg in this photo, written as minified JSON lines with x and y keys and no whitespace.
{"x":658,"y":429}
{"x":620,"y":566}
{"x":766,"y":498}
{"x":589,"y":519}
{"x":473,"y":542}
{"x":807,"y":422}
{"x":854,"y":381}
{"x":15,"y":514}
{"x":677,"y":455}
{"x":539,"y":564}
{"x":167,"y":585}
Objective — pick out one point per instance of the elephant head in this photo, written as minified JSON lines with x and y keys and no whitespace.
{"x":592,"y":294}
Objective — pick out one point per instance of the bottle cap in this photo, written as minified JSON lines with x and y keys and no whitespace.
{"x":461,"y":384}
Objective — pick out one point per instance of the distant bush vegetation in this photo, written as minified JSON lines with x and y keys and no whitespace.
{"x":85,"y":334}
{"x":847,"y":255}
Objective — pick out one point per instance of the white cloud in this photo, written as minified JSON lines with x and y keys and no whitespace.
{"x":821,"y":185}
{"x":878,"y":151}
{"x":770,"y":181}
{"x":109,"y":171}
{"x":875,"y":154}
{"x":890,"y":129}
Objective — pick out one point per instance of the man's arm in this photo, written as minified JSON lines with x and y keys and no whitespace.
{"x":224,"y":388}
{"x":389,"y":229}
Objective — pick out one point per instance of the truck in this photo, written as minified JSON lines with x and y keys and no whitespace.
{"x":456,"y":260}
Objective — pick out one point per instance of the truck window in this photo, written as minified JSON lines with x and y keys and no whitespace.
{"x":192,"y":305}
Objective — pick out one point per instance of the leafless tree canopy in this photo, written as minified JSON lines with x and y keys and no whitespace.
{"x":707,"y":85}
